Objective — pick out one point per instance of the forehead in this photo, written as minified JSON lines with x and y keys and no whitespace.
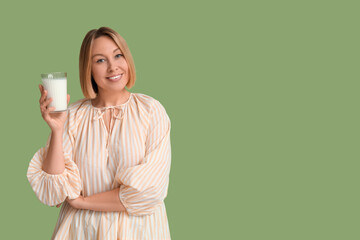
{"x":103,"y":45}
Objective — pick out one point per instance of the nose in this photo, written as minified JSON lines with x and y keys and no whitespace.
{"x":112,"y":67}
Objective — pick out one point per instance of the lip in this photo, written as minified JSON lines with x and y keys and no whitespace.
{"x":115,"y":79}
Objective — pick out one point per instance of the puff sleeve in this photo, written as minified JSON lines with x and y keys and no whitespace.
{"x":144,"y":187}
{"x":52,"y":189}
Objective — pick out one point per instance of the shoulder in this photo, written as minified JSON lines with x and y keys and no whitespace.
{"x":143,"y":101}
{"x":78,"y":109}
{"x":149,"y":104}
{"x":79,"y":105}
{"x":156,"y":114}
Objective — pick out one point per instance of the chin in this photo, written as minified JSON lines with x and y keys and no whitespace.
{"x":117,"y":88}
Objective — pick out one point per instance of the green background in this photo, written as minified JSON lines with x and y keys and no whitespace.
{"x":262,"y":96}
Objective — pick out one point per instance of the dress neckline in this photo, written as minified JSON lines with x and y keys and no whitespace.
{"x":114,"y":106}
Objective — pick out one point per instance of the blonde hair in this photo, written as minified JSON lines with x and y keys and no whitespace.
{"x":87,"y":82}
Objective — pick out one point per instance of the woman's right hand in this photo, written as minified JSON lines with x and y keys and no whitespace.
{"x":55,"y":120}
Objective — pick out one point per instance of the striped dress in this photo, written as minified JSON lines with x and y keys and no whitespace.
{"x":134,"y":156}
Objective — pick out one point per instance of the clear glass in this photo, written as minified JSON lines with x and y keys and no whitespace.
{"x":55,"y":84}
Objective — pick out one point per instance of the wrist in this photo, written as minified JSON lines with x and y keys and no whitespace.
{"x":84,"y":203}
{"x":77,"y":203}
{"x":57,"y":132}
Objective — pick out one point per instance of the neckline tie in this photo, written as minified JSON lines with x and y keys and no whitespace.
{"x":99,"y":112}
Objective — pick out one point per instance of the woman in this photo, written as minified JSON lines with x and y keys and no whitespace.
{"x":108,"y":157}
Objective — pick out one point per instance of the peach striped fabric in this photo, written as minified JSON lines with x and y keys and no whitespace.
{"x":134,"y":156}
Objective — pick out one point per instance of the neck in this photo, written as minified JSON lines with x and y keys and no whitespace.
{"x":106,"y":100}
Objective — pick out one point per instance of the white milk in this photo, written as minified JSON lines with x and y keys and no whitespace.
{"x":57,"y":90}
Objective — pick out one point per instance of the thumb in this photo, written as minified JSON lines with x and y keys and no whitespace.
{"x":68,"y":99}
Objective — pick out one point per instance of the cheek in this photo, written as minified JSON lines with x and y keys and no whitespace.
{"x":124,"y":64}
{"x":96,"y":70}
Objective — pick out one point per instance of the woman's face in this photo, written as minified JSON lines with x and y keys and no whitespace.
{"x":109,"y":67}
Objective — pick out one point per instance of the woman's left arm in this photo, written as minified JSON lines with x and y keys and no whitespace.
{"x":105,"y":202}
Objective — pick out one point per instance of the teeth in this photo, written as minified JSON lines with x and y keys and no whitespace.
{"x":116,"y":77}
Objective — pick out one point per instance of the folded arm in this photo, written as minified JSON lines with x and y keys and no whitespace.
{"x":143,"y":187}
{"x":104,"y":202}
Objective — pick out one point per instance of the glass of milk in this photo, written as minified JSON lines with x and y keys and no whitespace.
{"x":55,"y":83}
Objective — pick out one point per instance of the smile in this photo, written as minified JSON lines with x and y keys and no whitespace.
{"x":115,"y":77}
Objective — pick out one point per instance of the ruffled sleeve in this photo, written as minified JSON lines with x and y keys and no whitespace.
{"x":52,"y":189}
{"x":144,"y":187}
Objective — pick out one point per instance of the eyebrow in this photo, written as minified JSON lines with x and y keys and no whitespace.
{"x":98,"y":54}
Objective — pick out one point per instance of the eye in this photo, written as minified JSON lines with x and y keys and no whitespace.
{"x":100,"y":60}
{"x":118,"y":55}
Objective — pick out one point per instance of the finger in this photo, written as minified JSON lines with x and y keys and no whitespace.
{"x":43,"y":96}
{"x":45,"y":108}
{"x":49,"y":109}
{"x":41,"y":87}
{"x":68,"y":99}
{"x":41,"y":93}
{"x":45,"y":104}
{"x":46,"y":114}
